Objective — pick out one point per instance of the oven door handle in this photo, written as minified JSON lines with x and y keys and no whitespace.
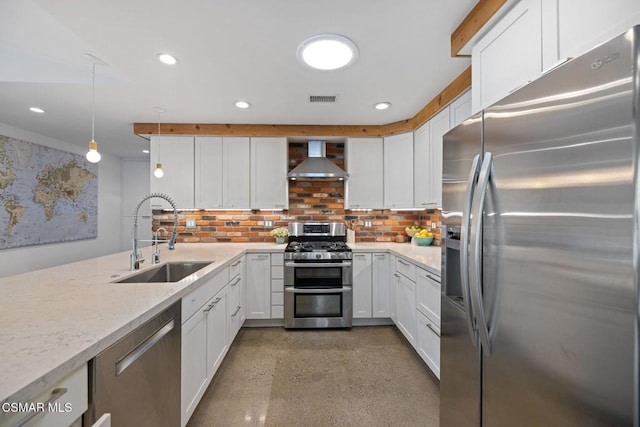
{"x":318,"y":291}
{"x":317,"y":264}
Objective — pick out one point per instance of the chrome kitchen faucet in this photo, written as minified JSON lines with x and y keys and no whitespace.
{"x":136,"y":255}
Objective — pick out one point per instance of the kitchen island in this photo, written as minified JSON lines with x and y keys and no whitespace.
{"x":56,"y":319}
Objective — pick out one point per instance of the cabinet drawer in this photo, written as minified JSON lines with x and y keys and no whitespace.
{"x":406,"y":268}
{"x":69,"y":394}
{"x":277,"y":298}
{"x":277,"y":285}
{"x":277,"y":272}
{"x":429,"y":343}
{"x":197,"y":298}
{"x":235,"y":267}
{"x":277,"y":259}
{"x":277,"y":312}
{"x":428,"y":294}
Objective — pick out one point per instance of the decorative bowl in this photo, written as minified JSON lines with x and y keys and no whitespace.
{"x":423,"y":241}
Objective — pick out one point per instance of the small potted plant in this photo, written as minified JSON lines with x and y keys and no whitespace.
{"x":280,"y":234}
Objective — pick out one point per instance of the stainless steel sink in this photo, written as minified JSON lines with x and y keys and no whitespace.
{"x":165,"y":273}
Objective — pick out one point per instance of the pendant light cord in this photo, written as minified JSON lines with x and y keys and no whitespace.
{"x":93,"y":103}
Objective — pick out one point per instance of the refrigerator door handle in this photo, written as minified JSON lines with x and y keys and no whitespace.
{"x":475,"y":264}
{"x":464,"y":249}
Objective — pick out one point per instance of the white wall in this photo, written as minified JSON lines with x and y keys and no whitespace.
{"x":19,"y":260}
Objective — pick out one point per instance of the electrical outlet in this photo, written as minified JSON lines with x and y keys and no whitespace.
{"x":434,"y":225}
{"x":367,"y":223}
{"x":191,"y":223}
{"x":268,"y":223}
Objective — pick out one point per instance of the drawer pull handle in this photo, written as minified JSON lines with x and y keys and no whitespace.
{"x":143,"y":347}
{"x":236,"y":282}
{"x":396,"y":275}
{"x":236,"y":263}
{"x":236,"y":312}
{"x":262,"y":256}
{"x":56,"y":394}
{"x":432,"y":330}
{"x":406,"y":264}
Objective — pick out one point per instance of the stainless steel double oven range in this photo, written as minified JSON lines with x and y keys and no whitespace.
{"x":318,"y":277}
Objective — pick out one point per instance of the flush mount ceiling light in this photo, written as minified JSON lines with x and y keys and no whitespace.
{"x":327,"y":52}
{"x":382,"y":105}
{"x":165,"y":58}
{"x":243,"y":104}
{"x":36,"y":110}
{"x":146,"y":151}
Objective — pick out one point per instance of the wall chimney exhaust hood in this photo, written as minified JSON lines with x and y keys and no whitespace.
{"x":317,"y":166}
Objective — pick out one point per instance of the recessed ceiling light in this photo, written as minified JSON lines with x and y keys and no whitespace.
{"x":243,"y":104}
{"x":36,"y":110}
{"x":382,"y":105}
{"x":165,"y":58}
{"x":327,"y":52}
{"x":145,"y":151}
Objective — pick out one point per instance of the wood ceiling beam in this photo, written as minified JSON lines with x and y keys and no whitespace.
{"x":472,"y":23}
{"x":448,"y":94}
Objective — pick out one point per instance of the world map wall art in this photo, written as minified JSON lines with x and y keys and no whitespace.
{"x":46,"y":195}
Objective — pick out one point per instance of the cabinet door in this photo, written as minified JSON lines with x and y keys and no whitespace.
{"x":364,"y":162}
{"x":236,"y":179}
{"x":362,"y":285}
{"x":208,"y":172}
{"x":422,"y":187}
{"x":428,"y":295}
{"x":176,"y":155}
{"x":460,"y":109}
{"x":194,"y":363}
{"x":509,"y":55}
{"x":269,"y":186}
{"x":393,"y":286}
{"x":380,"y":285}
{"x":439,"y":126}
{"x":217,"y":331}
{"x":406,"y":305}
{"x":398,"y":171}
{"x":235,"y":307}
{"x":429,"y":343}
{"x":258,"y":286}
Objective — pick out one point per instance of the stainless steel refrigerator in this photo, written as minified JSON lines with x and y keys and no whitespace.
{"x":540,"y":251}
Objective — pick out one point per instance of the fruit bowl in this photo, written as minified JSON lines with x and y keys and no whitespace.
{"x":423,"y":241}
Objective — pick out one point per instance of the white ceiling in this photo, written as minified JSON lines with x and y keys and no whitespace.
{"x":227,"y":50}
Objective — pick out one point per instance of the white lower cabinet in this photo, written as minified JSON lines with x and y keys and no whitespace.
{"x":393,"y":310}
{"x":380,"y":279}
{"x":428,"y":344}
{"x":194,"y":363}
{"x":362,"y":285}
{"x":208,"y":331}
{"x":406,"y":307}
{"x":258,"y":286}
{"x":428,"y":295}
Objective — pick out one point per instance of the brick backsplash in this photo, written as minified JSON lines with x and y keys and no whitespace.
{"x":308,"y":201}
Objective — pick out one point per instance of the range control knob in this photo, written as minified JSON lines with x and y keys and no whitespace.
{"x":318,"y":256}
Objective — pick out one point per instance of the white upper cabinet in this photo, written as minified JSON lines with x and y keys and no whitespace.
{"x":269,"y":186}
{"x":236,"y":180}
{"x":208,"y":172}
{"x":422,"y":165}
{"x":398,"y":171}
{"x":460,"y":109}
{"x":176,"y":153}
{"x":364,"y":163}
{"x":509,"y":55}
{"x":440,"y":124}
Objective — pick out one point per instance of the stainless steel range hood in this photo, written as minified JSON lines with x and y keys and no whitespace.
{"x":317,"y":166}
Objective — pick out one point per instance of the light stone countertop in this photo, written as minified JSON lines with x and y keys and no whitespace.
{"x":56,"y":319}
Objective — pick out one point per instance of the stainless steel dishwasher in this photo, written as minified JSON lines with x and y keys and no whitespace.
{"x":137,"y":379}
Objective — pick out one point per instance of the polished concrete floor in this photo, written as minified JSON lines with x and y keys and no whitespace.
{"x":366,"y":376}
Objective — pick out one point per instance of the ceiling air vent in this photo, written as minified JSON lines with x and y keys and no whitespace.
{"x":322,"y":98}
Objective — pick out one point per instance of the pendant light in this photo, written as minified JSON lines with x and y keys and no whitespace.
{"x":92,"y":155}
{"x":158,"y":173}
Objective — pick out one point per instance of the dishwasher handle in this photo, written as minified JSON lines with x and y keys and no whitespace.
{"x":135,"y":354}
